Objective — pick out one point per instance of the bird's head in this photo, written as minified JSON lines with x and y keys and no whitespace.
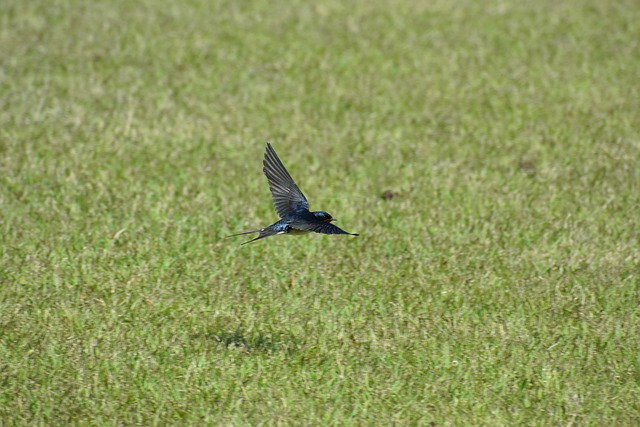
{"x":323,"y":216}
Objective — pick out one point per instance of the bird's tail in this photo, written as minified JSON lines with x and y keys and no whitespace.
{"x":241,"y":234}
{"x":264,"y":232}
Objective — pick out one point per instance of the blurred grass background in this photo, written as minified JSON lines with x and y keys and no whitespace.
{"x":486,"y":152}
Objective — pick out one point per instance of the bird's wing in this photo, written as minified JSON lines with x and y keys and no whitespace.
{"x":287,"y":197}
{"x":318,"y":227}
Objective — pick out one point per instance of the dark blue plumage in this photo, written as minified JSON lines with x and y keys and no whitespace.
{"x":290,"y":204}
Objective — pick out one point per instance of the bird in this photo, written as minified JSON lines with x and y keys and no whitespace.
{"x":290,"y":204}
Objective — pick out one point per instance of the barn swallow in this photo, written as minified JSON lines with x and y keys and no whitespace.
{"x":290,"y":204}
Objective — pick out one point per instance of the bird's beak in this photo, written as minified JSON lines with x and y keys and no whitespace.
{"x":332,"y":219}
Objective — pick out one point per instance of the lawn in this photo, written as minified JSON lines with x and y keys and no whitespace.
{"x":488,"y":154}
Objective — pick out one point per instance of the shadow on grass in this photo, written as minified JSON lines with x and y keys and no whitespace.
{"x":256,"y":342}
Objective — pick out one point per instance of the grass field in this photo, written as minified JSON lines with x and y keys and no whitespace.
{"x":495,"y":283}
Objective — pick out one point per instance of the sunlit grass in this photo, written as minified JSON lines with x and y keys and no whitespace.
{"x":487,"y":153}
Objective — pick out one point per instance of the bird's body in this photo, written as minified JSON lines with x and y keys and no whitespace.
{"x":290,"y":204}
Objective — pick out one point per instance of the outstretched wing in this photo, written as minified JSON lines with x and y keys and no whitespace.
{"x":318,"y":227}
{"x":287,"y":197}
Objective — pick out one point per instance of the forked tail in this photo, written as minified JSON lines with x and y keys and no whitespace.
{"x":242,"y":234}
{"x":264,"y":232}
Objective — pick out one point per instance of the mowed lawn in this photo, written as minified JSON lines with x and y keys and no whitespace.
{"x":488,"y":153}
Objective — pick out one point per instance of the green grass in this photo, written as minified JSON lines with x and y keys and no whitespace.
{"x":499,"y":286}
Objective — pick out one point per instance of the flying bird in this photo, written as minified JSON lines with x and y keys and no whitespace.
{"x":290,"y":204}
